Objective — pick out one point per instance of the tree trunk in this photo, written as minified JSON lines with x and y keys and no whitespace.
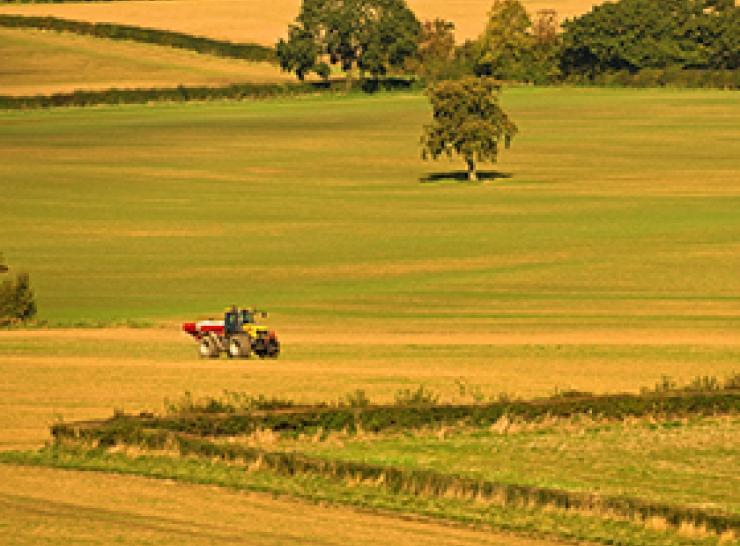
{"x":348,"y":82}
{"x":472,"y":173}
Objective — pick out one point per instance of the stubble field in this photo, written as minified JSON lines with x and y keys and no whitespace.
{"x":263,"y":21}
{"x":42,"y":63}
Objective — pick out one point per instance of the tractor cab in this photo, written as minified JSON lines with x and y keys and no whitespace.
{"x":235,"y":319}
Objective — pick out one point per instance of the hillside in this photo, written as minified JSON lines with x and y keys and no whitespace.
{"x":36,"y":62}
{"x":261,"y":21}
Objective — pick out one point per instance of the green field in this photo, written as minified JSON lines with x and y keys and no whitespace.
{"x":615,"y":209}
{"x":600,"y":254}
{"x":693,"y":462}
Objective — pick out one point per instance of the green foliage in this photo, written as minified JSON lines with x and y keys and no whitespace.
{"x":506,"y":42}
{"x":17,"y":301}
{"x":221,"y":48}
{"x":468,"y":121}
{"x":435,"y":58}
{"x":229,"y":402}
{"x":420,"y":396}
{"x":299,"y":53}
{"x":637,"y":34}
{"x":374,"y":36}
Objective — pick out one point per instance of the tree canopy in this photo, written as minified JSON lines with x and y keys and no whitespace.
{"x":468,"y":121}
{"x":374,"y":36}
{"x":636,"y":34}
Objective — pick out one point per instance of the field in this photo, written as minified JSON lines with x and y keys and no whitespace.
{"x":35,"y":62}
{"x":600,"y":255}
{"x":263,"y":21}
{"x":131,"y":510}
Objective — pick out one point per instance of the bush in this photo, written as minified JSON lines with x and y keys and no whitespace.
{"x":17,"y":303}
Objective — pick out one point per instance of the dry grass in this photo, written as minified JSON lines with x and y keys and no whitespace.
{"x":263,"y":21}
{"x":83,"y":374}
{"x":37,"y":508}
{"x":35,"y":62}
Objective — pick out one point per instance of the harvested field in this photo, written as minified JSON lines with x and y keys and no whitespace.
{"x":262,"y":21}
{"x":37,"y":509}
{"x":84,"y":374}
{"x":43,"y":63}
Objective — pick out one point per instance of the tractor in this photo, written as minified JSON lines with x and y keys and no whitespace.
{"x":237,"y":335}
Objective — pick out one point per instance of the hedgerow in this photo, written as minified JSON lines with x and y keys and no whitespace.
{"x":113,"y":31}
{"x":181,"y":93}
{"x":308,"y":420}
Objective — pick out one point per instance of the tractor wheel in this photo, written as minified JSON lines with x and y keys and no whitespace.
{"x":207,"y":348}
{"x":273,"y":349}
{"x":240,"y":347}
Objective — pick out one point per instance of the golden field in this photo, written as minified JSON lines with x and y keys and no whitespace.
{"x":263,"y":21}
{"x":36,"y":62}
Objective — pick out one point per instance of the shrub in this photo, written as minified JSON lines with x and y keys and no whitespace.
{"x":17,"y":302}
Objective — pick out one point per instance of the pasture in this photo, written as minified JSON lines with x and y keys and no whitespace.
{"x":599,"y":254}
{"x":43,"y":63}
{"x":264,"y":21}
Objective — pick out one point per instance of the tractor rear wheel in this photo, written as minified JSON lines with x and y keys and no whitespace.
{"x":273,"y":349}
{"x":207,"y":348}
{"x":240,"y":347}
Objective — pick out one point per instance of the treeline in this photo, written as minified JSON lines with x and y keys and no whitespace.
{"x":221,"y":48}
{"x":240,"y":91}
{"x":629,"y":42}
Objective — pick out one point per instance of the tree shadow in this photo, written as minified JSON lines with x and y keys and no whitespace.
{"x":461,"y":176}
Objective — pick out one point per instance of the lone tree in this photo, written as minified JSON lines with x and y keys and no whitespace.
{"x":468,"y":121}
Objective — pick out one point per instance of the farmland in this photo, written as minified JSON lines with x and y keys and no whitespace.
{"x":262,"y":21}
{"x":600,"y":255}
{"x":54,"y":63}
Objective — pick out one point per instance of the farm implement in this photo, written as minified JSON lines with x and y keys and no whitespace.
{"x":237,"y":335}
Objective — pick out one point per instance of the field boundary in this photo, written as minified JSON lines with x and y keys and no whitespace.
{"x":300,"y":420}
{"x":196,"y":435}
{"x":114,"y":31}
{"x":184,"y":93}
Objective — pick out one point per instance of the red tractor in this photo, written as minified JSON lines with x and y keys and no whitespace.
{"x":237,"y":335}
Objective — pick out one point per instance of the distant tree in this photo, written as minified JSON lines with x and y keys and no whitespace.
{"x":299,"y":53}
{"x":506,"y":43}
{"x":372,"y":36}
{"x":435,"y":58}
{"x":636,"y":34}
{"x":16,"y":298}
{"x":544,"y":60}
{"x":468,"y":121}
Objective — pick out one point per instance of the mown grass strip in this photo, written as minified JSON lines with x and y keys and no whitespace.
{"x":112,"y":31}
{"x":571,"y":526}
